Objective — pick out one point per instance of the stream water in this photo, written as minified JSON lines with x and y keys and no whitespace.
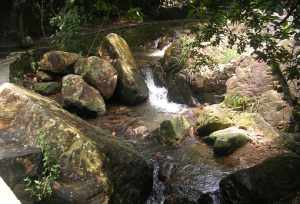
{"x":192,"y":169}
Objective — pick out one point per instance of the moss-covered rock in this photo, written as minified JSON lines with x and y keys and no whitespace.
{"x":47,"y":88}
{"x":58,"y":62}
{"x":173,"y":131}
{"x":131,"y":88}
{"x":84,"y":152}
{"x":81,"y":97}
{"x":211,"y":120}
{"x":276,"y":179}
{"x":228,"y":140}
{"x":99,"y":73}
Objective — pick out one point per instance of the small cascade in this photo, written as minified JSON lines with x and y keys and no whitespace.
{"x":158,"y":96}
{"x":158,"y":52}
{"x":158,"y":189}
{"x":215,"y":197}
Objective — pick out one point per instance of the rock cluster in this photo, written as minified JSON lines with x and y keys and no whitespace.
{"x":85,"y":83}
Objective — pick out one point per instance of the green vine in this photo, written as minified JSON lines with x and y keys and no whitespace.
{"x":40,"y":187}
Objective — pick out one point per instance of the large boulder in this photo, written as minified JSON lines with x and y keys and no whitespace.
{"x":84,"y":152}
{"x":179,"y":90}
{"x":132,"y":88}
{"x":274,"y":180}
{"x":173,"y":131}
{"x":78,"y":95}
{"x":228,"y":140}
{"x":58,"y":62}
{"x":252,"y":78}
{"x":275,"y":110}
{"x":99,"y":73}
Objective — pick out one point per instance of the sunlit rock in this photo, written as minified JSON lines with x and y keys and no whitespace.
{"x":131,"y":88}
{"x":173,"y":131}
{"x":227,"y":140}
{"x":84,"y":152}
{"x":99,"y":73}
{"x":78,"y":96}
{"x":58,"y":62}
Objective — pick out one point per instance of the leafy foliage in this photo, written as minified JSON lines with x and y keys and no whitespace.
{"x":41,"y":187}
{"x":266,"y":23}
{"x":135,"y":14}
{"x":68,"y":29}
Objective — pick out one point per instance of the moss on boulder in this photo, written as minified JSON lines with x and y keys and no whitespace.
{"x":84,"y":152}
{"x":78,"y":95}
{"x":99,"y":73}
{"x":58,"y":62}
{"x":228,"y":140}
{"x":131,"y":88}
{"x":47,"y":88}
{"x":173,"y":131}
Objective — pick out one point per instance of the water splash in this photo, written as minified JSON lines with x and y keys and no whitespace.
{"x":158,"y":189}
{"x":160,"y":53}
{"x":158,"y":96}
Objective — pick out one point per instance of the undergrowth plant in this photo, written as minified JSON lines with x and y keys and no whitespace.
{"x":68,"y":30}
{"x":238,"y":102}
{"x":40,"y":187}
{"x":135,"y":14}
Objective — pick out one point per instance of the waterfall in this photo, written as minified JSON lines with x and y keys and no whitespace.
{"x":158,"y":96}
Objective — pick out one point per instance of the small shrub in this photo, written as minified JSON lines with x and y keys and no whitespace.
{"x":41,"y":187}
{"x":238,"y":102}
{"x":68,"y":30}
{"x":135,"y":14}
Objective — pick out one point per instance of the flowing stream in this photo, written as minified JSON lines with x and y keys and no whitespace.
{"x":158,"y":96}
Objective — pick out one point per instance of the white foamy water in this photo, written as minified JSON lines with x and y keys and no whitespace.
{"x":158,"y":96}
{"x":160,"y":53}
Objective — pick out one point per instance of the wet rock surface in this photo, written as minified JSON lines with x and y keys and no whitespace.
{"x":271,"y":181}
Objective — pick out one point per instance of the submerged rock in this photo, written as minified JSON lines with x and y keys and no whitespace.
{"x":99,"y":73}
{"x":58,"y":62}
{"x":275,"y":180}
{"x":77,"y":95}
{"x":228,"y":140}
{"x":47,"y":88}
{"x":173,"y":131}
{"x":84,"y":152}
{"x":131,"y":88}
